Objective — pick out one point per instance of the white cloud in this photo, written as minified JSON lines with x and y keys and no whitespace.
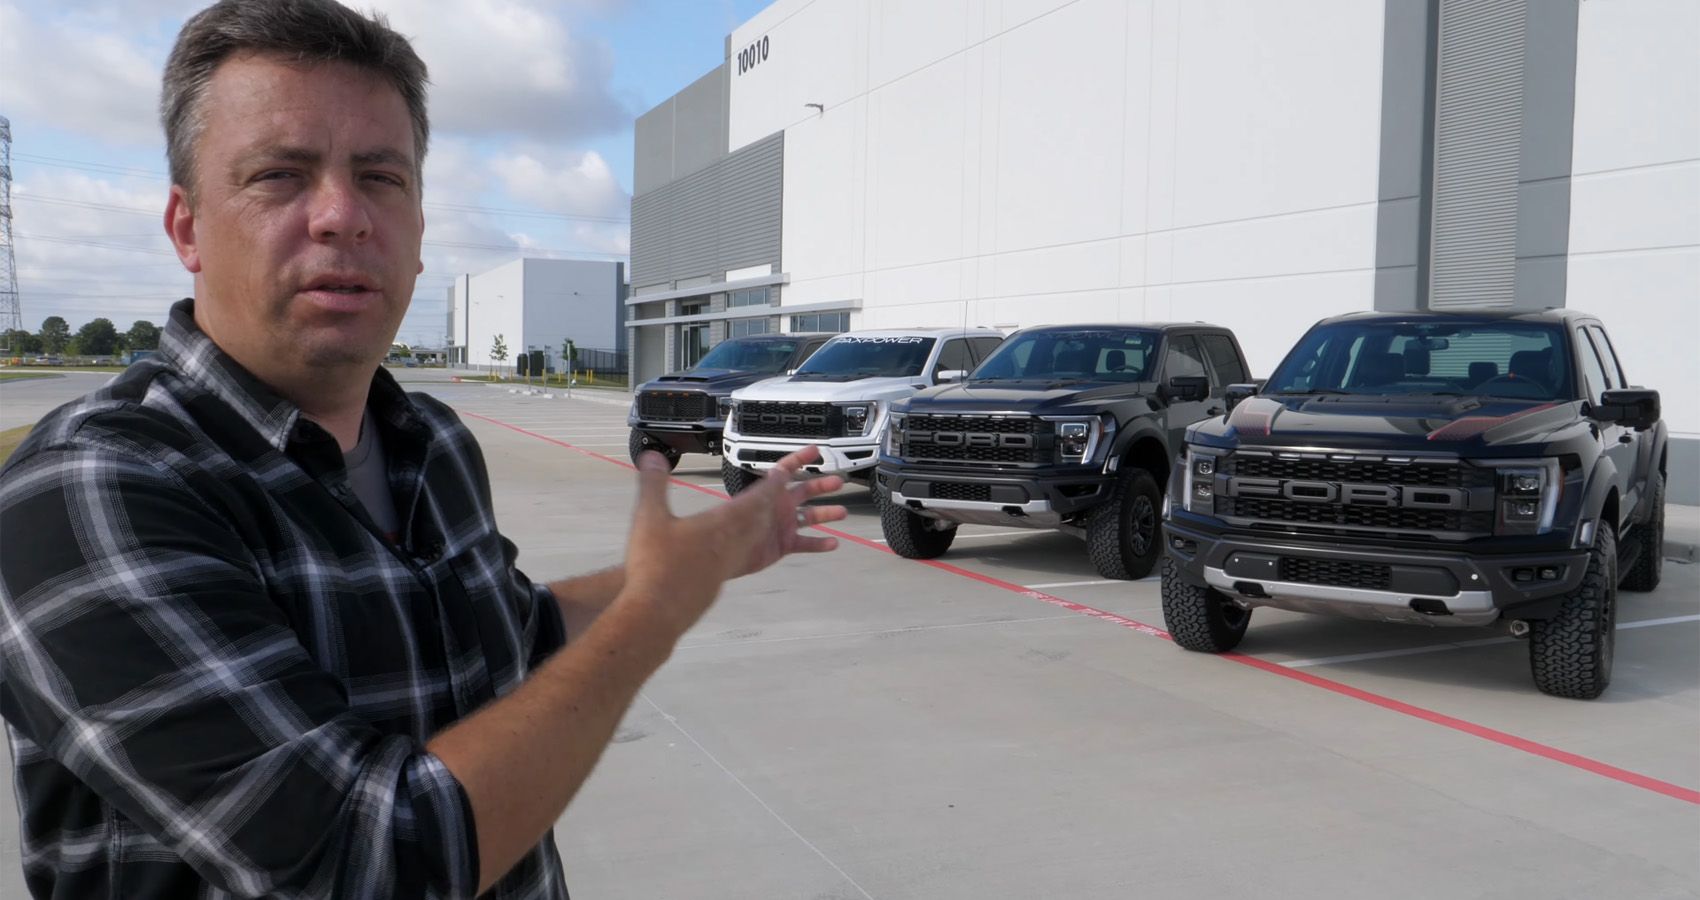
{"x":579,"y":184}
{"x":85,"y":80}
{"x":511,"y":66}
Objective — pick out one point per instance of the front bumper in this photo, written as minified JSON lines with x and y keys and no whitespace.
{"x":838,"y":456}
{"x":1391,"y":584}
{"x":1043,"y":499}
{"x":693,"y":437}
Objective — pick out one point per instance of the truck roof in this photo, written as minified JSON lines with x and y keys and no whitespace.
{"x":950,"y":331}
{"x":1145,"y":326}
{"x":1550,"y":316}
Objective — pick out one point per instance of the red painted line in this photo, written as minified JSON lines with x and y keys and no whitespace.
{"x":1535,"y":748}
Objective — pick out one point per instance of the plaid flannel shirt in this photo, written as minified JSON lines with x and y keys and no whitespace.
{"x":217,"y":677}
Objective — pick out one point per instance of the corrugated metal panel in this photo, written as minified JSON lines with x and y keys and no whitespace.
{"x":1478,"y":134}
{"x":726,"y":216}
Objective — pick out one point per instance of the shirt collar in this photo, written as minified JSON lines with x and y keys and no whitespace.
{"x":194,"y":354}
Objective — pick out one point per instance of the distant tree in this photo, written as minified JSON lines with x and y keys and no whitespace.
{"x":569,"y":355}
{"x":499,"y":349}
{"x":143,"y":335}
{"x":18,"y":342}
{"x":97,"y":338}
{"x":55,"y":335}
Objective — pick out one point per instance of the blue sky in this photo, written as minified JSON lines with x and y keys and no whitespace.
{"x":532,"y":107}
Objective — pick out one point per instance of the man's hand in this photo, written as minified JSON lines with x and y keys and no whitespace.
{"x":677,"y":565}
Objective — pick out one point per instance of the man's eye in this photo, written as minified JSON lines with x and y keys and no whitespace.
{"x":273,"y":176}
{"x":386,"y":179}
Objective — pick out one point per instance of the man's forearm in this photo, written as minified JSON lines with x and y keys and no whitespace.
{"x":583,"y":598}
{"x":521,"y":759}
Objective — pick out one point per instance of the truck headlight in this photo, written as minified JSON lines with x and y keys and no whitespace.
{"x":1199,"y":484}
{"x":731,"y":408}
{"x":859,"y":418}
{"x":1526,"y":496}
{"x":1078,"y":438}
{"x":894,"y":434}
{"x":725,"y":407}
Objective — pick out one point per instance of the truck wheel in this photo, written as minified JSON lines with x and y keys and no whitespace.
{"x":1570,"y":653}
{"x":736,"y":478}
{"x":1199,"y":617}
{"x":640,"y":442}
{"x":911,"y":535}
{"x":1124,"y":536}
{"x":1644,"y":575}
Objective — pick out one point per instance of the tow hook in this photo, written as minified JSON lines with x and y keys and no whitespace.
{"x":1519,"y":628}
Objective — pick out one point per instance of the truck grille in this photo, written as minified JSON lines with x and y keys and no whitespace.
{"x":675,"y":406}
{"x":1443,"y":474}
{"x":1367,"y":576}
{"x":981,"y":439}
{"x":954,"y":490}
{"x":1373,"y":517}
{"x":764,"y":418}
{"x":761,"y":456}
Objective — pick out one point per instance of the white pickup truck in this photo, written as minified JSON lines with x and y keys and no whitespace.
{"x":840,"y":398}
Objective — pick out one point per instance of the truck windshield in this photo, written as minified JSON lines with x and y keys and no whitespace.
{"x":744,"y":355}
{"x":1110,"y":354}
{"x":1513,"y":360}
{"x":855,"y":356}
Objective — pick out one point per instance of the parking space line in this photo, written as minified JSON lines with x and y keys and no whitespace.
{"x":693,"y":645}
{"x":1458,"y":645}
{"x":984,"y":534}
{"x":1055,"y":584}
{"x":1534,"y":748}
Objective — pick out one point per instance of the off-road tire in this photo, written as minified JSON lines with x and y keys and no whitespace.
{"x":1644,"y":574}
{"x":736,"y":478}
{"x":911,"y":535}
{"x":1199,"y":617}
{"x":1124,"y":537}
{"x":1570,"y":654}
{"x":637,"y":444}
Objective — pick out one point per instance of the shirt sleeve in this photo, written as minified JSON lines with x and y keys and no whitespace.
{"x":545,"y":629}
{"x":139,"y":647}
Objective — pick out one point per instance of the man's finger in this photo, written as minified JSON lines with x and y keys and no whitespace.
{"x":652,"y":485}
{"x":816,"y":515}
{"x":807,"y":544}
{"x":792,"y":463}
{"x":815,"y":487}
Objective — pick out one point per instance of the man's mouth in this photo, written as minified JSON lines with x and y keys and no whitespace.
{"x":341,"y":284}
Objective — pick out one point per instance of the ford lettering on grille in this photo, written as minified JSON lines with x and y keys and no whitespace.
{"x":1409,"y":496}
{"x":972,"y":439}
{"x":790,"y":419}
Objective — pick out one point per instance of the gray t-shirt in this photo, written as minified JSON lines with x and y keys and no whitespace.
{"x":370,"y":479}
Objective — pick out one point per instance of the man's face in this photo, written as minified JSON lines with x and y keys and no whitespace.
{"x":305,"y":226}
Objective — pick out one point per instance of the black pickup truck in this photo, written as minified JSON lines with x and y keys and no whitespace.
{"x":1448,"y":469}
{"x":685,"y":412}
{"x":1070,"y":427}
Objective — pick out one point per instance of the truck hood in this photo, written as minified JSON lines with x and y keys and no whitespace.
{"x":714,"y":381}
{"x":1398,"y":423}
{"x":1039,"y":397}
{"x":831,"y":391}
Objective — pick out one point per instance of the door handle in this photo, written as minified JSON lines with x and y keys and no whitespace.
{"x":1215,"y":411}
{"x":1625,"y":439}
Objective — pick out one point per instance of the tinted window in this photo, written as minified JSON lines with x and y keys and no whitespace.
{"x":955,"y":355}
{"x":747,"y":327}
{"x":983,"y":346}
{"x":1519,"y":360}
{"x":1592,"y":372}
{"x":1219,"y":349}
{"x":1608,"y":355}
{"x":1096,"y":355}
{"x":749,"y":356}
{"x":870,"y":357}
{"x":1183,"y":358}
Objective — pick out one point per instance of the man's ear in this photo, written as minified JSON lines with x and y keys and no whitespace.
{"x":180,"y":227}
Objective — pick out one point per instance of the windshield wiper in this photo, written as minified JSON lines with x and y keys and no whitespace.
{"x":1332,"y":392}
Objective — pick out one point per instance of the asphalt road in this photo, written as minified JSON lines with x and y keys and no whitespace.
{"x":1007,"y":724}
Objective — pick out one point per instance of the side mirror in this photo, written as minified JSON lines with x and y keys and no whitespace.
{"x":946,"y":376}
{"x":1187,"y":388}
{"x":1238,"y":392}
{"x":1631,"y":407}
{"x":790,"y":371}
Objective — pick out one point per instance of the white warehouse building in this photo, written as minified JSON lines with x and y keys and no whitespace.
{"x":870,"y":164}
{"x":537,"y":304}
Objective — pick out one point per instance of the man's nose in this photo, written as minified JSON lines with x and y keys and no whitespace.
{"x":338,"y":211}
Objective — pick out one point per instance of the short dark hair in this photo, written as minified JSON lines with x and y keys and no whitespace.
{"x":299,"y":31}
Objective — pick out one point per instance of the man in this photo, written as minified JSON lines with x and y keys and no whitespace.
{"x":259,"y":634}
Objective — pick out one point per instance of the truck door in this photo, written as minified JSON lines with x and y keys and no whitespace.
{"x":1645,"y":464}
{"x":1617,"y":441}
{"x":1182,"y":356}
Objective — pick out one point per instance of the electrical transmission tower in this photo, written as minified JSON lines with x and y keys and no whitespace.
{"x":11,"y":313}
